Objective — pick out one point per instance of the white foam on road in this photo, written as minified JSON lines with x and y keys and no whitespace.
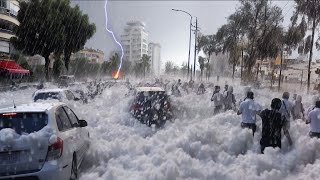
{"x":197,"y":145}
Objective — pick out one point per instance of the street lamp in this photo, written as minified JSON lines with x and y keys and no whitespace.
{"x":189,"y":36}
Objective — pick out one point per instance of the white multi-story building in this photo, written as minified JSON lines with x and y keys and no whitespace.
{"x":155,"y":54}
{"x":134,"y":41}
{"x":8,"y":21}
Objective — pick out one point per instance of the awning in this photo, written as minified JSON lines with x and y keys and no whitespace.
{"x":12,"y":67}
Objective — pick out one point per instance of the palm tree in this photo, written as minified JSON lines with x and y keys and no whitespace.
{"x":145,"y":62}
{"x":309,"y":9}
{"x":209,"y":49}
{"x":113,"y":62}
{"x":168,"y":67}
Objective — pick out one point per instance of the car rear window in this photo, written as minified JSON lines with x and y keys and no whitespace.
{"x":24,"y":122}
{"x":47,"y":95}
{"x":153,"y":96}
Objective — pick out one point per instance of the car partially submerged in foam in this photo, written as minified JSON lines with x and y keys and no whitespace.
{"x":41,"y":141}
{"x":151,"y":106}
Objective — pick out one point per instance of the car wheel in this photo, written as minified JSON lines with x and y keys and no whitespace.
{"x":74,"y":169}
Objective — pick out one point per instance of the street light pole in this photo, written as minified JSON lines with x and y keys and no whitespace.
{"x":195,"y":49}
{"x":189,"y":38}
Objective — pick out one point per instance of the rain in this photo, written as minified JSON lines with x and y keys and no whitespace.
{"x":159,"y":90}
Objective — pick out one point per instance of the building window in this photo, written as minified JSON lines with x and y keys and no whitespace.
{"x":4,"y":47}
{"x":4,"y":4}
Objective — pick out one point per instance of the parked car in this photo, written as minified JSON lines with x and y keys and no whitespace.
{"x":151,"y":106}
{"x":66,"y":80}
{"x":47,"y":141}
{"x":58,"y":94}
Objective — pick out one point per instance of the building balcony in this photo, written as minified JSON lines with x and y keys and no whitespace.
{"x":7,"y":16}
{"x":6,"y":34}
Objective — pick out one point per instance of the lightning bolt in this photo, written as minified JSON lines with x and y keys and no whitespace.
{"x":114,"y":38}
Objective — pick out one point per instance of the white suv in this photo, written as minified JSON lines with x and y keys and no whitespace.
{"x":41,"y":141}
{"x":62,"y":95}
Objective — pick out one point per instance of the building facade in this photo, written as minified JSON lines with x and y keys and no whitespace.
{"x":155,"y":55}
{"x":8,"y":21}
{"x":92,"y":55}
{"x":134,"y":41}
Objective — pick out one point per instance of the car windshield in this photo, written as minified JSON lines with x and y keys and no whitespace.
{"x":153,"y":96}
{"x":24,"y":122}
{"x":47,"y":95}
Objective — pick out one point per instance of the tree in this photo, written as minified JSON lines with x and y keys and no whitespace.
{"x":184,"y":69}
{"x":114,"y":62}
{"x":138,"y":68}
{"x":259,"y":19}
{"x":77,"y":30}
{"x":202,"y":40}
{"x":126,"y":67}
{"x":168,"y":66}
{"x":145,"y":62}
{"x":57,"y":68}
{"x":38,"y":32}
{"x":311,"y":10}
{"x":80,"y":67}
{"x":229,"y":37}
{"x":51,"y":26}
{"x":175,"y":70}
{"x":209,"y":48}
{"x":202,"y":64}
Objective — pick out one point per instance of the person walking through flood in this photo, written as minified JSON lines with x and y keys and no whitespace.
{"x":313,"y":105}
{"x":248,"y":111}
{"x":298,"y":109}
{"x":217,"y":98}
{"x":245,"y":90}
{"x":286,"y":108}
{"x":272,"y":124}
{"x":314,"y":121}
{"x":201,"y":89}
{"x":225,"y":88}
{"x":229,"y":99}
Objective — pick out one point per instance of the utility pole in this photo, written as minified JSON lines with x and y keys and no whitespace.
{"x":189,"y":38}
{"x":191,"y":73}
{"x":257,"y":71}
{"x":280,"y":70}
{"x":195,"y":49}
{"x":189,"y":46}
{"x":301,"y":79}
{"x":241,"y":64}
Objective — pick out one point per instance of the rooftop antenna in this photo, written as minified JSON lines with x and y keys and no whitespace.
{"x":14,"y":105}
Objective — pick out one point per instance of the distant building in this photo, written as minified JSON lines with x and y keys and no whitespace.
{"x":8,"y":22}
{"x":134,"y":41}
{"x":155,"y":53}
{"x":92,"y":55}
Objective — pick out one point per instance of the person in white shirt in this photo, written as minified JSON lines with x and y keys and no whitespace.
{"x":245,"y":90}
{"x":286,"y":108}
{"x":248,"y":110}
{"x":313,"y":106}
{"x":218,"y":100}
{"x":314,"y":121}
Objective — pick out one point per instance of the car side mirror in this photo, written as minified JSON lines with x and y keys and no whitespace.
{"x":83,"y":123}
